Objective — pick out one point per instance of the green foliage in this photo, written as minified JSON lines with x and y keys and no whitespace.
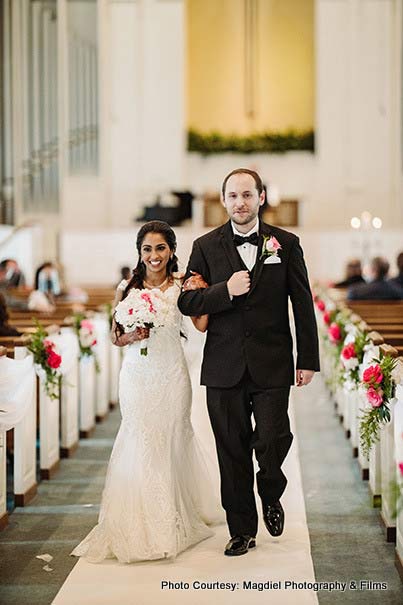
{"x":265,"y":142}
{"x":360,"y":342}
{"x":369,"y":430}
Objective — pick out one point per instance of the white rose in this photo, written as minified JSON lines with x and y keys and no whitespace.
{"x":351,"y":363}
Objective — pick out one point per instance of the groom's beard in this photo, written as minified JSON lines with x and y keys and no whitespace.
{"x":244,"y":219}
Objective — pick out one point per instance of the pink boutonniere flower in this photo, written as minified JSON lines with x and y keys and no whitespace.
{"x":270,"y":247}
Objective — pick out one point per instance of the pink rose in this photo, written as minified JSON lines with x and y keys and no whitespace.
{"x":334,"y":332}
{"x":86,"y":323}
{"x":321,"y":305}
{"x":348,"y":351}
{"x":400,"y":465}
{"x":375,"y":397}
{"x":48,"y":344}
{"x":373,"y":375}
{"x":94,"y":342}
{"x":275,"y":244}
{"x":326,"y":318}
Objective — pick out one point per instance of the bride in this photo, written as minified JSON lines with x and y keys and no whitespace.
{"x":157,"y":499}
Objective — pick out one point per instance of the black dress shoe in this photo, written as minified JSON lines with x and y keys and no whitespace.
{"x":239,"y":545}
{"x":273,"y":516}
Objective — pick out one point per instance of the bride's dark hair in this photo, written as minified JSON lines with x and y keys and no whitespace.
{"x":139,"y":272}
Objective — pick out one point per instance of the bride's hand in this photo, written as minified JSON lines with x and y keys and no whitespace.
{"x":141,"y":334}
{"x":195,"y":282}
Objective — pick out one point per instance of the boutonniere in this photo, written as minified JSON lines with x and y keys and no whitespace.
{"x":270,"y":247}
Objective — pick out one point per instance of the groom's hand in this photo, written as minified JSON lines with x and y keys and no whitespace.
{"x":303,"y":377}
{"x":238,"y":283}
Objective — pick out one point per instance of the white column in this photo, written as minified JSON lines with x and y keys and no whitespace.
{"x":163,"y":91}
{"x":7,"y":176}
{"x":35,"y":112}
{"x":148,"y":140}
{"x":356,"y":127}
{"x":17,"y":106}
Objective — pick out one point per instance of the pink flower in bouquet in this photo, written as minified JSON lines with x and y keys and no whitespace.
{"x":87,"y":324}
{"x":145,"y":296}
{"x":321,"y":305}
{"x":54,"y":360}
{"x":49,"y":345}
{"x":375,"y":397}
{"x":334,"y":332}
{"x":94,"y":342}
{"x":348,"y":351}
{"x":373,"y":375}
{"x":400,"y":465}
{"x":326,"y":318}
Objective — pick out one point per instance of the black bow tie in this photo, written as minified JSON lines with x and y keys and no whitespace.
{"x":253,"y":239}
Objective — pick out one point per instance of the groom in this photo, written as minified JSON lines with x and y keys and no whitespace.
{"x":252,"y":270}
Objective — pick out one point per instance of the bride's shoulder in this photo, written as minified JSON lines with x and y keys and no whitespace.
{"x":178,"y":277}
{"x":120,"y":288}
{"x":123,"y":285}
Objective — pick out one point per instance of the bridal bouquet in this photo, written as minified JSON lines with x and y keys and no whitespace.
{"x":142,"y":309}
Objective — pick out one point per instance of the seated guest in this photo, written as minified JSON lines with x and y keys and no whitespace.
{"x":11,"y":301}
{"x":47,"y":280}
{"x":378,"y":288}
{"x":5,"y":328}
{"x":15,"y":277}
{"x":398,"y":281}
{"x":353,"y":274}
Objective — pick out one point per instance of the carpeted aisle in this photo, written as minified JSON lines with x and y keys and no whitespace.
{"x":203,"y":574}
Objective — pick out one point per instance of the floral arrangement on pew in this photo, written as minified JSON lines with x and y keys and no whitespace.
{"x":351,"y":356}
{"x":379,"y":386}
{"x":47,"y":359}
{"x":85,"y":331}
{"x":333,"y":329}
{"x":334,"y":323}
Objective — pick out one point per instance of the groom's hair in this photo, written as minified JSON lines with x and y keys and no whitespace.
{"x":256,"y":178}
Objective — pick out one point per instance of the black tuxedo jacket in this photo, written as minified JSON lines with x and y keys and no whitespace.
{"x":252,"y":331}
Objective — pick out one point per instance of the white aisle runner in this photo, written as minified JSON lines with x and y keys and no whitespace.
{"x":203,"y":574}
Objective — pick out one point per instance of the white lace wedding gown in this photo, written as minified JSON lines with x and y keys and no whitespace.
{"x":158,"y":497}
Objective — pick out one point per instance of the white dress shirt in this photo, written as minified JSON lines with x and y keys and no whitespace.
{"x":247,"y":251}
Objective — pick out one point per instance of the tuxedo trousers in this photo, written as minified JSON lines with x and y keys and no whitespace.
{"x":231,"y":411}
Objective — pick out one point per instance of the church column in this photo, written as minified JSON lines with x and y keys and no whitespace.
{"x":148,"y":139}
{"x":355,"y":120}
{"x":163,"y":94}
{"x":7,"y":184}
